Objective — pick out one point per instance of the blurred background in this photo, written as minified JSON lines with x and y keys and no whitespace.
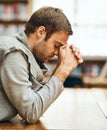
{"x":89,"y":22}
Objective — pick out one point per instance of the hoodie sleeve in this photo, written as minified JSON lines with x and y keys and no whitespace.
{"x":29,"y":103}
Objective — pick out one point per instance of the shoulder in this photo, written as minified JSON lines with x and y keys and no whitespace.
{"x":8,"y":42}
{"x":11,"y":43}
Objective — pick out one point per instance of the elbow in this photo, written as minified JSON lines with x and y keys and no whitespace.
{"x":32,"y":119}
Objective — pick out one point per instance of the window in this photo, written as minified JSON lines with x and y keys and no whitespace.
{"x":89,"y":22}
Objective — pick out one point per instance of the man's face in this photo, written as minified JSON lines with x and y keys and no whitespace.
{"x":44,"y":50}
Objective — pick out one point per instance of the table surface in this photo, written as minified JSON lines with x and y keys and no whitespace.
{"x":75,"y":109}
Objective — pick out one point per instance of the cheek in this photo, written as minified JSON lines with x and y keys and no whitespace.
{"x":50,"y":48}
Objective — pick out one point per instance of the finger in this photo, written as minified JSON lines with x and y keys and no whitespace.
{"x":64,"y":46}
{"x":79,"y":57}
{"x":78,"y":51}
{"x":73,"y":47}
{"x":80,"y":61}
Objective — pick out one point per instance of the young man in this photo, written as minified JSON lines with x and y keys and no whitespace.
{"x":22,"y":59}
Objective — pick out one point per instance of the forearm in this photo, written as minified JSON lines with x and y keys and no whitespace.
{"x":29,"y":103}
{"x":50,"y":91}
{"x":61,"y":73}
{"x":23,"y":94}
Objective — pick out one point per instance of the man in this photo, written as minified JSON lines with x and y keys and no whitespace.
{"x":22,"y":59}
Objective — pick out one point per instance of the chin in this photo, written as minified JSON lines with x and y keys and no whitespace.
{"x":45,"y":60}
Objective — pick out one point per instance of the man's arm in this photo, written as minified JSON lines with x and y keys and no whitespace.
{"x":29,"y":103}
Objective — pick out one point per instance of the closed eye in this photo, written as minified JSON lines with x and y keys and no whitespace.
{"x":59,"y":44}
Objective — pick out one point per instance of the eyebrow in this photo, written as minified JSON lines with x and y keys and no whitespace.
{"x":61,"y":43}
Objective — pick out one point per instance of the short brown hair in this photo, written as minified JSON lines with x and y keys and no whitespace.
{"x":53,"y":19}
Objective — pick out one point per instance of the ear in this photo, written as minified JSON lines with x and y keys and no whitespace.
{"x":40,"y":32}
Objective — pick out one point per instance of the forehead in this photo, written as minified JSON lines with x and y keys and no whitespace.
{"x":61,"y":37}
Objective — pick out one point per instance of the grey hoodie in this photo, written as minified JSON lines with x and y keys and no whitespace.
{"x":21,"y":89}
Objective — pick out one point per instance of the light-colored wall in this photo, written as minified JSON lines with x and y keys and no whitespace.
{"x":90,"y":34}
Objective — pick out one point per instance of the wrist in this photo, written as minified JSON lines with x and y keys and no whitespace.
{"x":61,"y":73}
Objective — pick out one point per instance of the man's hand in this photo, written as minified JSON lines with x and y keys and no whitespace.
{"x":68,"y":60}
{"x":77,"y":53}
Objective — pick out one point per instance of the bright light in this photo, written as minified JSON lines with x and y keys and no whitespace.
{"x":90,"y":34}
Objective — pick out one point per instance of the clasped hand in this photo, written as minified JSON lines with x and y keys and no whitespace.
{"x":69,"y":57}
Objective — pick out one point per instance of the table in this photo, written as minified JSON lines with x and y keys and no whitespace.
{"x":75,"y":109}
